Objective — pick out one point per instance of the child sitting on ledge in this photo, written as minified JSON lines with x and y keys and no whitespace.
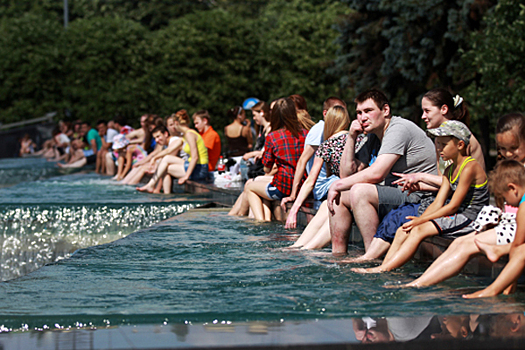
{"x":507,"y":181}
{"x":464,"y":183}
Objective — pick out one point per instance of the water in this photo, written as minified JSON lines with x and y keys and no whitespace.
{"x":79,"y":251}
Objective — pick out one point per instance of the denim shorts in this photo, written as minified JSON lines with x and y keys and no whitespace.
{"x":273,"y":193}
{"x":200,"y":172}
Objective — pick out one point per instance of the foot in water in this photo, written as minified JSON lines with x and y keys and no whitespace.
{"x":488,"y":249}
{"x":479,"y":294}
{"x":378,"y":269}
{"x":145,"y":188}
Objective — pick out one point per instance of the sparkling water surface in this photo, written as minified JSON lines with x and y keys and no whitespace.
{"x":115,"y":256}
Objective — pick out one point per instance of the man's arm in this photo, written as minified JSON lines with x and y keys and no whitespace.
{"x":374,"y":174}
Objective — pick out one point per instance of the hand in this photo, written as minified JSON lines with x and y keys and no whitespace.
{"x":291,"y":220}
{"x":355,"y":128}
{"x":286,"y":200}
{"x":408,"y":182}
{"x":408,"y":226}
{"x":333,"y":196}
{"x":246,"y":156}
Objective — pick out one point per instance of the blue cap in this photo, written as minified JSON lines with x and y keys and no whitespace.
{"x":250,"y":102}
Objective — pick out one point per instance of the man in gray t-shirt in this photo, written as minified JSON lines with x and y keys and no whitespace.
{"x":367,"y":196}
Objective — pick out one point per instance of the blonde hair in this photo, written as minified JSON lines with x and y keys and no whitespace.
{"x":182,"y":117}
{"x":336,"y":119}
{"x":304,"y":119}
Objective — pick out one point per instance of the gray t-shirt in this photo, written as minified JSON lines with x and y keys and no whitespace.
{"x":417,"y":151}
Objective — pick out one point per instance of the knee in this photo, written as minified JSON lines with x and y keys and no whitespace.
{"x":360,"y":194}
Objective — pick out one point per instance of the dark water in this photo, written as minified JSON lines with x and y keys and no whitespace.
{"x":145,"y":259}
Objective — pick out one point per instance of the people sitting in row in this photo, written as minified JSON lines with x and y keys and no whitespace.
{"x":195,"y":168}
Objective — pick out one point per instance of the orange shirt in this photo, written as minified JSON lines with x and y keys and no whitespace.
{"x":212,"y":141}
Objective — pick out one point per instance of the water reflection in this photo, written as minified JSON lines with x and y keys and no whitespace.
{"x":457,"y":331}
{"x":460,"y":327}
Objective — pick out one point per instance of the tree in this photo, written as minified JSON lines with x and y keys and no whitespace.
{"x":297,"y":47}
{"x":202,"y":60}
{"x":104,"y":73}
{"x":495,"y":62}
{"x":30,"y":67}
{"x":405,"y":47}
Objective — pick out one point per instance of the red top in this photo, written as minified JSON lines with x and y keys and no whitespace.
{"x":212,"y":141}
{"x":282,"y":148}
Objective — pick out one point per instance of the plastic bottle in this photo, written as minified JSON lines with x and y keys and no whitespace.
{"x":221,"y":167}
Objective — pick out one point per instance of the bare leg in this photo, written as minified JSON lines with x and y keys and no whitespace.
{"x":256,"y":192}
{"x":267,"y":211}
{"x":241,"y":206}
{"x":452,"y":261}
{"x":365,"y":203}
{"x":130,"y":175}
{"x":493,"y":252}
{"x":129,"y":160}
{"x":406,"y":251}
{"x":110,"y":164}
{"x":340,"y":224}
{"x":162,"y":169}
{"x":508,"y":276}
{"x":314,"y":227}
{"x":78,"y":164}
{"x":121,"y":161}
{"x":377,"y":249}
{"x":167,"y":183}
{"x":321,"y":239}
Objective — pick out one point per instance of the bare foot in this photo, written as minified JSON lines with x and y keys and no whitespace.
{"x":156,"y":191}
{"x":60,"y":165}
{"x":357,"y":259}
{"x":485,"y":293}
{"x":145,"y":188}
{"x":378,"y":269}
{"x":488,"y":249}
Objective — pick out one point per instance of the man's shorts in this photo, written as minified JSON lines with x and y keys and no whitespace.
{"x":453,"y":226}
{"x":273,"y":193}
{"x":390,"y":198}
{"x":394,"y":219}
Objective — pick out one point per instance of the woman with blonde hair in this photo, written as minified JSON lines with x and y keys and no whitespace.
{"x":195,"y":168}
{"x":335,"y":134}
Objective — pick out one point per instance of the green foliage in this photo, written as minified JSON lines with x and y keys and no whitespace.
{"x":30,"y":66}
{"x":133,"y":57}
{"x":104,"y":68}
{"x":404,"y":47}
{"x":496,"y":61}
{"x":202,"y":60}
{"x":297,"y":47}
{"x":153,"y":14}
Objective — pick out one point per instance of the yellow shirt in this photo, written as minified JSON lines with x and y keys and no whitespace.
{"x":201,"y":147}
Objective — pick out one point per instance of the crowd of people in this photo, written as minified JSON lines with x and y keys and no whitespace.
{"x":397,"y":183}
